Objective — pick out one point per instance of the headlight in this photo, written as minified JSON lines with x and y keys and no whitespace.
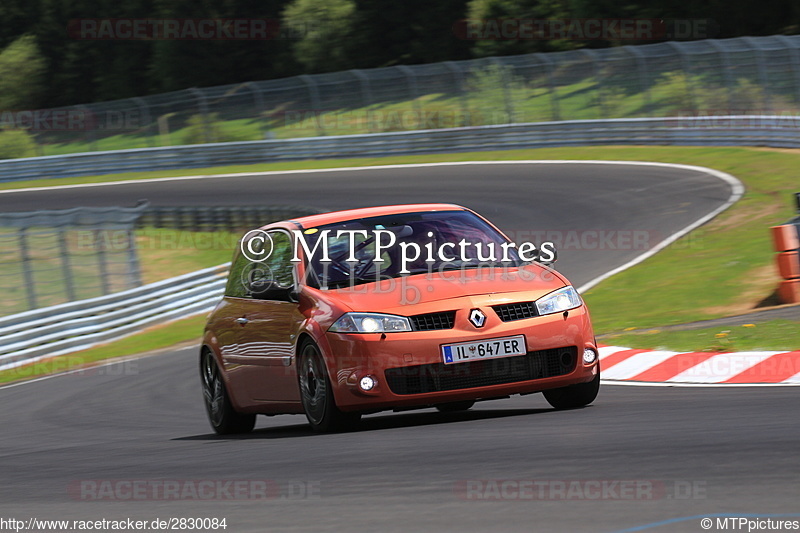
{"x":558,"y":301}
{"x":370,"y":323}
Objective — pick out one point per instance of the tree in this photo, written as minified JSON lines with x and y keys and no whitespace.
{"x":484,"y":11}
{"x":325,"y":31}
{"x":21,"y":74}
{"x":408,"y":32}
{"x":17,"y":18}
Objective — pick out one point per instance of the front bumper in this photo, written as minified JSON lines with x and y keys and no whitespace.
{"x":408,"y":367}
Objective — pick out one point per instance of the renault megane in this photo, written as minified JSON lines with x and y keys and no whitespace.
{"x":390,"y":308}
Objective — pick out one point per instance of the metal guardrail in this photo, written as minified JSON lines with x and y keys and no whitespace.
{"x":233,"y":218}
{"x":74,"y":326}
{"x":738,"y":130}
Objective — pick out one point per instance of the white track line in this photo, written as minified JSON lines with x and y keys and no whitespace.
{"x":90,"y":366}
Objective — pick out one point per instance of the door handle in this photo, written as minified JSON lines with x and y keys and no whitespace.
{"x":242,"y":320}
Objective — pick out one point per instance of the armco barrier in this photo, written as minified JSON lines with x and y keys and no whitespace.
{"x":739,"y":130}
{"x":74,"y":326}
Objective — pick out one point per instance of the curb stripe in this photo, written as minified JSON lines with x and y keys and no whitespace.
{"x":653,"y":367}
{"x":722,"y":366}
{"x":780,"y":367}
{"x":673,"y":366}
{"x":615,"y":358}
{"x":633,"y":365}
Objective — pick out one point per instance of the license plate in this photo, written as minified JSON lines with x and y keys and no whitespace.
{"x":486,"y":349}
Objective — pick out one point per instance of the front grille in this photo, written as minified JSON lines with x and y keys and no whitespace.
{"x":430,"y":321}
{"x":517,"y":311}
{"x":439,"y":377}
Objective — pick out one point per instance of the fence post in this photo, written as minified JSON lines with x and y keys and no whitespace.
{"x":762,"y":72}
{"x":27,"y":271}
{"x":725,"y":62}
{"x":202,"y":105}
{"x":146,"y":119}
{"x":458,"y":76}
{"x":91,"y":131}
{"x":134,"y":271}
{"x":66,"y":266}
{"x":555,"y":112}
{"x":102,"y":264}
{"x":597,"y":74}
{"x":643,"y":74}
{"x":506,"y":89}
{"x":366,"y":95}
{"x":687,"y":72}
{"x":413,"y":90}
{"x":258,"y":103}
{"x":313,"y":92}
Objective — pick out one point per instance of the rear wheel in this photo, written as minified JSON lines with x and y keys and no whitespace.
{"x":574,"y":396}
{"x":223,"y":417}
{"x":454,"y":407}
{"x":316,"y":393}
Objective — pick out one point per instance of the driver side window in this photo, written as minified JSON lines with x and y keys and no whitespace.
{"x":278,"y":268}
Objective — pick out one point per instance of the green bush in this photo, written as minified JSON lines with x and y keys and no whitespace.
{"x":21,"y":73}
{"x":199,"y":131}
{"x":16,"y":143}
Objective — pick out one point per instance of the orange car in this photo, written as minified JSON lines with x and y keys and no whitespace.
{"x":391,"y":308}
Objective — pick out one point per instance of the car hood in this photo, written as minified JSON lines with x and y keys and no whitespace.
{"x":399,"y":293}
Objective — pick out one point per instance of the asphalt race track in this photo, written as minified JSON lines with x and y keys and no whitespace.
{"x":638,"y":457}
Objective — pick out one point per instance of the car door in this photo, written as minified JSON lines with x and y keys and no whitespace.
{"x":259,"y":350}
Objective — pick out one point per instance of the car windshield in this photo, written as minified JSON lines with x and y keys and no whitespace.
{"x":365,"y":250}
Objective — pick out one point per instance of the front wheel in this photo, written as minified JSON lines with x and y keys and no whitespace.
{"x":223,"y":417}
{"x":574,"y":396}
{"x":316,"y":393}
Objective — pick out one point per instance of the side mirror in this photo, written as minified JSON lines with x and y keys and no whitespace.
{"x":271,"y":290}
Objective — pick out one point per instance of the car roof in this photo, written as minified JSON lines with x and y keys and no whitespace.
{"x":366,"y":212}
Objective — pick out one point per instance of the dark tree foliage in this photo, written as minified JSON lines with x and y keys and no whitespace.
{"x":407,"y":32}
{"x":383,"y":33}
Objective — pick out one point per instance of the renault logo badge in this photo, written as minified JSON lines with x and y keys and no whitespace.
{"x":477,"y":318}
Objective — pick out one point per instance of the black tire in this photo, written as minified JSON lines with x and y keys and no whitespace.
{"x":574,"y":396}
{"x":454,"y":407}
{"x":316,"y":393}
{"x":224,"y":419}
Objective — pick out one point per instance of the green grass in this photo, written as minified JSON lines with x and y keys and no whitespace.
{"x":180,"y":331}
{"x":724,"y":268}
{"x":777,"y":335}
{"x":166,"y":253}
